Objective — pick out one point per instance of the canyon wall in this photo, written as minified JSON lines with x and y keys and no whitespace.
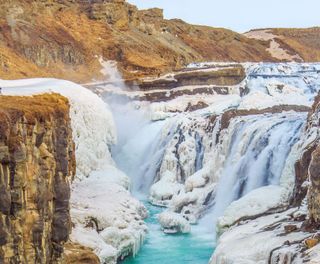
{"x":37,"y":163}
{"x":314,"y":166}
{"x":307,"y":167}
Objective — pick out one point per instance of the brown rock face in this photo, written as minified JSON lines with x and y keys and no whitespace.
{"x":302,"y":166}
{"x":231,"y":75}
{"x":301,"y":169}
{"x":36,"y":164}
{"x":77,"y":254}
{"x":307,"y":168}
{"x":314,"y":190}
{"x":228,"y":115}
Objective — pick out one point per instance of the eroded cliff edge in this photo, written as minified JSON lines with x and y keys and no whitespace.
{"x":37,"y":164}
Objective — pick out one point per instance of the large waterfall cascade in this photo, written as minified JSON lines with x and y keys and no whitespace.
{"x":187,"y":163}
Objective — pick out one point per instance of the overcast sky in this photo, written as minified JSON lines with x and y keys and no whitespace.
{"x":240,"y":15}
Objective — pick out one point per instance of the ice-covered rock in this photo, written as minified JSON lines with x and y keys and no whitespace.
{"x":255,"y":203}
{"x":102,"y":203}
{"x":162,"y":191}
{"x":91,"y":120}
{"x":173,"y":223}
{"x":253,"y":241}
{"x":184,"y":167}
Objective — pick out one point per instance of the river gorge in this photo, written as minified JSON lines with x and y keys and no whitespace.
{"x":183,"y":174}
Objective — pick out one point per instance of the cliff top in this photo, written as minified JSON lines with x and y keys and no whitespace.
{"x":32,"y":107}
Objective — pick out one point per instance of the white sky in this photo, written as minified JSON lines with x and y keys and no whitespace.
{"x":240,"y":15}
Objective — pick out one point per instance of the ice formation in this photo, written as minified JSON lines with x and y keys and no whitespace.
{"x":194,"y":160}
{"x":252,"y":243}
{"x":173,"y":223}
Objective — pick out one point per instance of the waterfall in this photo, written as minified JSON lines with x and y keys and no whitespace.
{"x":254,"y":150}
{"x":140,"y":155}
{"x":200,"y":152}
{"x":140,"y":144}
{"x":197,"y":163}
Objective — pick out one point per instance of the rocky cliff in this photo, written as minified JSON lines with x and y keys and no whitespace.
{"x":71,"y":39}
{"x":37,"y":162}
{"x":314,"y":166}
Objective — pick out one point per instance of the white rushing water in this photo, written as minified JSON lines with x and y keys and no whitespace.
{"x":254,"y":149}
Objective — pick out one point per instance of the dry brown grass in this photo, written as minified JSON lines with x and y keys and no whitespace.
{"x":305,"y":42}
{"x":40,"y":107}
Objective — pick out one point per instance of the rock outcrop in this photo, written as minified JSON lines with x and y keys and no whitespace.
{"x":37,"y":162}
{"x":220,"y":76}
{"x":77,"y":254}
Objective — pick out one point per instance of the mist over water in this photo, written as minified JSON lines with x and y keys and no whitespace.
{"x":137,"y":151}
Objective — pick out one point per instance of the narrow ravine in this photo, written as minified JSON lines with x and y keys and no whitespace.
{"x":195,"y":247}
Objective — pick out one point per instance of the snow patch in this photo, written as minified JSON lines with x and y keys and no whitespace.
{"x":254,"y":203}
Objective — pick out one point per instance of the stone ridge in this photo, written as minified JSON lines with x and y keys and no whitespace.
{"x":37,"y":162}
{"x":66,"y":39}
